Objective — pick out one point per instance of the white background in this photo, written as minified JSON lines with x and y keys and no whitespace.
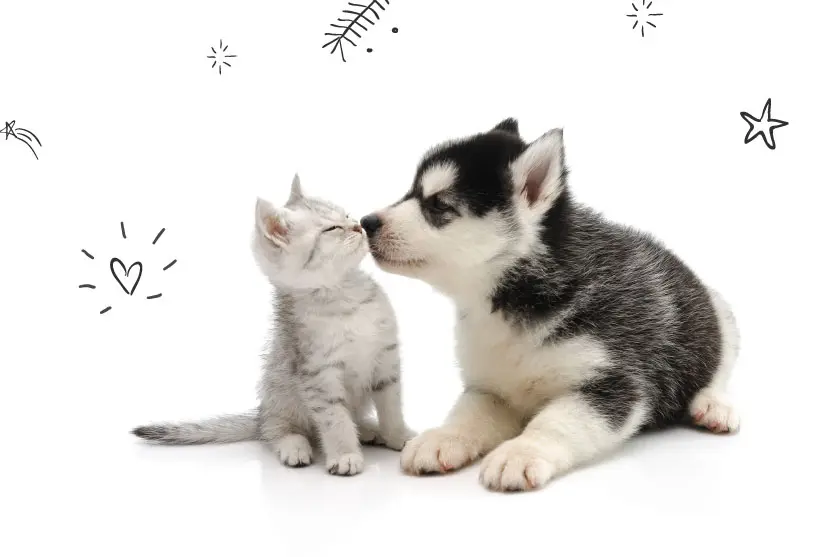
{"x":136,"y":127}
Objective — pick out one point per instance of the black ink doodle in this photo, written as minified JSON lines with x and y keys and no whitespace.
{"x":219,"y":57}
{"x":126,"y":273}
{"x":124,"y":276}
{"x":23,"y":135}
{"x":763,"y":126}
{"x":642,"y":17}
{"x":393,"y":30}
{"x":347,"y":26}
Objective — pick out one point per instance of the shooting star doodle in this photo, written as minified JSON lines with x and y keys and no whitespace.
{"x":23,"y":135}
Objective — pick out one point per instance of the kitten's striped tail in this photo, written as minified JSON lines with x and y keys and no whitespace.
{"x":221,"y":429}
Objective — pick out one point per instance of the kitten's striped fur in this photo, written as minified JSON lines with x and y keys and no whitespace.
{"x":334,"y":353}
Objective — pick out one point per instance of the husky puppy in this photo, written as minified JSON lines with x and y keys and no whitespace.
{"x":573,"y":333}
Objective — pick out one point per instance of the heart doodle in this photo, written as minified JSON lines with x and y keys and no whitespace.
{"x":126,"y":273}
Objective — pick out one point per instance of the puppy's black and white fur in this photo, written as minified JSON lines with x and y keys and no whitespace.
{"x":573,"y":333}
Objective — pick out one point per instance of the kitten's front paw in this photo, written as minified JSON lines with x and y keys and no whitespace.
{"x":370,"y":434}
{"x":294,"y":450}
{"x":437,"y":451}
{"x":396,"y":440}
{"x":515,"y":465}
{"x":348,"y":464}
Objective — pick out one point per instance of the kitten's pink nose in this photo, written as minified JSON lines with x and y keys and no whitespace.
{"x":357,"y":228}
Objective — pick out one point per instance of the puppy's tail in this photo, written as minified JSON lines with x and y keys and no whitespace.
{"x":221,"y":429}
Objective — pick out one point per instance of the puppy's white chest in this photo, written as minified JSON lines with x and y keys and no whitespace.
{"x":517,"y":366}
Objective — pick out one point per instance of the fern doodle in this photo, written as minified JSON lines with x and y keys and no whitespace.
{"x":362,"y":15}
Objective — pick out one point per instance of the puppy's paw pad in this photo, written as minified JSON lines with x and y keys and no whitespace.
{"x":437,"y":451}
{"x":348,"y":464}
{"x":294,"y":451}
{"x":515,"y":466}
{"x":712,"y":411}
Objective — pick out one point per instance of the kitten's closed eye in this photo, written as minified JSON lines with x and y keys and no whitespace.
{"x":330,"y":229}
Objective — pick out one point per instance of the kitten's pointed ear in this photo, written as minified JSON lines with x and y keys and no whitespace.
{"x":296,"y":193}
{"x":539,"y":173}
{"x":509,"y":125}
{"x":272,"y":223}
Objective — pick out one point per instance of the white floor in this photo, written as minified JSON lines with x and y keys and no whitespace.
{"x":74,"y":479}
{"x":90,"y":486}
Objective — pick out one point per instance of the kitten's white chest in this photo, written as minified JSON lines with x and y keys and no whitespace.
{"x":362,"y":343}
{"x":357,"y":341}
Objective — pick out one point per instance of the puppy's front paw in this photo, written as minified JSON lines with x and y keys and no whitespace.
{"x":515,"y":465}
{"x":348,"y":464}
{"x":437,"y":451}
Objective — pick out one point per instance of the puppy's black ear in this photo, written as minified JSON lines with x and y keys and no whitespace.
{"x":509,"y":125}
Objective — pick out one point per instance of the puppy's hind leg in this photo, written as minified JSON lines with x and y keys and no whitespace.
{"x":710,"y":407}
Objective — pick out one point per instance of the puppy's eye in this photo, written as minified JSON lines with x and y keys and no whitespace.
{"x":331,"y":228}
{"x":440,"y":206}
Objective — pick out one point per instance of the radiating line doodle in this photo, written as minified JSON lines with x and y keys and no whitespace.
{"x":127,"y":277}
{"x":763,"y":126}
{"x":641,"y":17}
{"x":361,"y":13}
{"x":23,"y":135}
{"x":219,"y":57}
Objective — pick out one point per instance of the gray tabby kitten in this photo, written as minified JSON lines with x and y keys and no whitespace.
{"x":333,"y":349}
